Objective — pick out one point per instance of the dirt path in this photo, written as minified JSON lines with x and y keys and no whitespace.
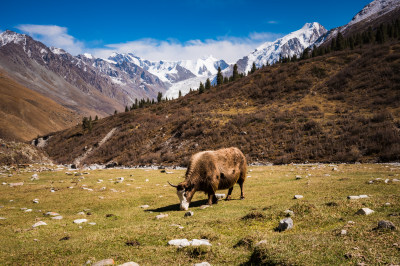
{"x":89,"y":151}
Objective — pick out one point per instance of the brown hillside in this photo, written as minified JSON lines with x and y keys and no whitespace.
{"x":25,"y":114}
{"x":343,"y":106}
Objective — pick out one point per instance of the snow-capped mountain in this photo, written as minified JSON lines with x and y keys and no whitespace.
{"x":81,"y":83}
{"x":289,"y":45}
{"x":374,"y":13}
{"x":179,"y":75}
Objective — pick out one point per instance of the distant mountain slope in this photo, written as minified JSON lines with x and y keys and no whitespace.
{"x":372,"y":15}
{"x":340,"y":107}
{"x":74,"y":82}
{"x":287,"y":46}
{"x":25,"y":114}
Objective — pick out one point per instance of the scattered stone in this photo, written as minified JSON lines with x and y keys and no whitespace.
{"x":204,"y":206}
{"x":386,"y":225}
{"x":298,"y":177}
{"x":289,"y":213}
{"x":80,"y":213}
{"x":298,"y":196}
{"x":144,"y":206}
{"x":363,"y":196}
{"x":343,"y":232}
{"x":34,"y":177}
{"x":370,"y":182}
{"x":130,"y":263}
{"x":180,"y":243}
{"x":35,"y":201}
{"x":79,"y":221}
{"x":262,"y":242}
{"x":39,"y":224}
{"x":365,"y":211}
{"x":101,"y":197}
{"x":177,"y":225}
{"x":353,"y":197}
{"x":334,"y":169}
{"x":99,"y":180}
{"x":395,"y":180}
{"x":52,"y":190}
{"x":285,"y":224}
{"x":16,"y":184}
{"x":64,"y":238}
{"x":28,"y":210}
{"x":92,"y":223}
{"x":351,"y":222}
{"x":57,"y":217}
{"x":189,"y":213}
{"x":3,"y":218}
{"x":68,"y":173}
{"x":78,"y":174}
{"x":220,"y":196}
{"x":51,"y":214}
{"x":387,"y":181}
{"x":104,"y":262}
{"x":184,"y":242}
{"x":161,"y":216}
{"x":387,"y":204}
{"x":204,"y":263}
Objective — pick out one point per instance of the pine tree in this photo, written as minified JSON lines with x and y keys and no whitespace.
{"x":115,"y":112}
{"x":220,"y":78}
{"x":253,"y":68}
{"x":226,"y":80}
{"x":208,"y":84}
{"x":96,"y":118}
{"x":339,"y":42}
{"x":235,"y":75}
{"x":179,"y":94}
{"x":85,"y":123}
{"x":159,"y":97}
{"x":126,"y":108}
{"x":201,"y":88}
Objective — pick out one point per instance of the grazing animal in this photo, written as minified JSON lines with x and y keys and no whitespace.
{"x":210,"y":171}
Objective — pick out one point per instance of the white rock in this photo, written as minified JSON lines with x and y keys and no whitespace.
{"x":57,"y":217}
{"x":220,"y":196}
{"x":177,"y":225}
{"x":16,"y":184}
{"x":343,"y":232}
{"x":3,"y":218}
{"x":204,"y":263}
{"x":298,"y":177}
{"x":92,"y":223}
{"x":79,"y":221}
{"x":28,"y":210}
{"x":200,"y":242}
{"x":298,"y":196}
{"x":262,"y":242}
{"x":161,"y":216}
{"x":52,"y":190}
{"x":289,"y":213}
{"x":130,"y":263}
{"x":365,"y":211}
{"x":363,"y":196}
{"x":387,"y":204}
{"x":395,"y":180}
{"x":39,"y":224}
{"x":387,"y":181}
{"x":35,"y":201}
{"x":285,"y":224}
{"x":179,"y":242}
{"x":51,"y":214}
{"x":104,"y":262}
{"x":34,"y":177}
{"x":144,"y":206}
{"x":353,"y":197}
{"x":81,"y":213}
{"x":205,"y":206}
{"x":147,"y":180}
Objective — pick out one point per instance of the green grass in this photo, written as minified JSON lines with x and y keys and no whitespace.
{"x":133,"y":234}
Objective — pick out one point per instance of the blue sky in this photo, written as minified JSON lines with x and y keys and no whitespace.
{"x":169,"y":30}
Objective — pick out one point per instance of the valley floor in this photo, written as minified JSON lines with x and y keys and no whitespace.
{"x":326,"y":229}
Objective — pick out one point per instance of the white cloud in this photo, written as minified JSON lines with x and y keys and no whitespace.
{"x":53,"y":35}
{"x":228,"y":48}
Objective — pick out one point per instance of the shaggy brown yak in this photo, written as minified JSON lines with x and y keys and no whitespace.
{"x":210,"y":171}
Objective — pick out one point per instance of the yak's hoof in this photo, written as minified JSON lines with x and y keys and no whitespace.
{"x":228,"y":198}
{"x":242,"y":197}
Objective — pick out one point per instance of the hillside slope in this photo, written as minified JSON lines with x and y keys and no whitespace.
{"x":343,"y":106}
{"x":25,"y":114}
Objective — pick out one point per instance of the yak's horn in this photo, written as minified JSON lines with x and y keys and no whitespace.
{"x":171,"y":184}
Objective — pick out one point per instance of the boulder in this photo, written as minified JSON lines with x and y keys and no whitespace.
{"x":386,"y":225}
{"x":364,"y":211}
{"x":285,"y":224}
{"x":180,"y":243}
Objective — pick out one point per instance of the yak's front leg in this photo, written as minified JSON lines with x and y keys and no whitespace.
{"x":212,"y":199}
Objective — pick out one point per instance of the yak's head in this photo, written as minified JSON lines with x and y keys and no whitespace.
{"x":182,"y":190}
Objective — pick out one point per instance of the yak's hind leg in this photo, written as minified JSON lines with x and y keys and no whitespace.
{"x":241,"y":188}
{"x":228,"y":197}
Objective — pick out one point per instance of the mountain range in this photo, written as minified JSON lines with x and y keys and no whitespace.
{"x":93,"y":86}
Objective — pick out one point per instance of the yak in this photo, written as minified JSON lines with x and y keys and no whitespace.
{"x":209,"y":171}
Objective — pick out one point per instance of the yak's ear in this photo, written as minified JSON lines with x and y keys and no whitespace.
{"x":180,"y":187}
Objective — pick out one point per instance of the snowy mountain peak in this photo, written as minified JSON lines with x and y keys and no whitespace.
{"x":9,"y":36}
{"x":292,"y":44}
{"x":375,"y":8}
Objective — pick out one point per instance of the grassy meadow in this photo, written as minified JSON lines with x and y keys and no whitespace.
{"x":125,"y":232}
